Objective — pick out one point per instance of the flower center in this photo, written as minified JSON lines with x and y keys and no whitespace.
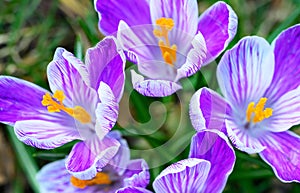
{"x":100,"y":179}
{"x":168,"y":52}
{"x":57,"y":105}
{"x":258,"y":113}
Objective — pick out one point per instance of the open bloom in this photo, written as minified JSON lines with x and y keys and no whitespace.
{"x":118,"y":173}
{"x":260,"y":83}
{"x":210,"y":162}
{"x":83,"y":105}
{"x":166,"y":39}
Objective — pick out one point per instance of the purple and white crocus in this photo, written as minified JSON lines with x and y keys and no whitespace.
{"x":83,"y":106}
{"x":261,"y":87}
{"x":210,"y":162}
{"x":120,"y":172}
{"x":166,"y":39}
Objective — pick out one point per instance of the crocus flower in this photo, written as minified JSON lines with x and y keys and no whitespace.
{"x":118,"y":173}
{"x":83,"y":106}
{"x":210,"y":162}
{"x":260,"y":83}
{"x":166,"y":39}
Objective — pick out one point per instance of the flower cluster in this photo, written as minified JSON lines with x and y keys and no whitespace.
{"x":261,"y":87}
{"x":167,"y":41}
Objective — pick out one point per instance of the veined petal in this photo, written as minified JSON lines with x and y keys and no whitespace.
{"x":287,"y":59}
{"x":21,"y":100}
{"x":243,"y":139}
{"x":89,"y":156}
{"x":68,"y":57}
{"x":137,"y":37}
{"x":47,"y":134}
{"x":58,"y":54}
{"x":137,"y":174}
{"x":78,"y":64}
{"x":110,"y":13}
{"x":214,"y":147}
{"x":286,"y":112}
{"x":153,"y":88}
{"x":283,"y":155}
{"x":105,"y":62}
{"x":184,"y":13}
{"x":106,"y":111}
{"x":194,"y":58}
{"x":187,"y":175}
{"x":54,"y":178}
{"x":142,"y":46}
{"x":132,"y":189}
{"x":120,"y":161}
{"x":64,"y":76}
{"x":208,"y":110}
{"x":245,"y":72}
{"x":218,"y":24}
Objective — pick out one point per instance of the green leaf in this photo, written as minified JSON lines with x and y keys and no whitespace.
{"x":78,"y":48}
{"x":49,"y":156}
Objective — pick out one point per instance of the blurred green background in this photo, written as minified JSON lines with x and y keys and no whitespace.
{"x":30,"y":31}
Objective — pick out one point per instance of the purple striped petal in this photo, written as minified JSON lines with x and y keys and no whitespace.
{"x":153,"y":88}
{"x":106,"y":111}
{"x":187,"y":175}
{"x":286,"y":112}
{"x":194,"y":58}
{"x":77,"y":64}
{"x":137,"y":174}
{"x":120,"y":161}
{"x":287,"y":59}
{"x":64,"y":56}
{"x":46,"y":134}
{"x":245,"y":140}
{"x":88,"y":157}
{"x":208,"y":110}
{"x":133,"y":190}
{"x":63,"y":75}
{"x":215,"y":148}
{"x":218,"y":24}
{"x":245,"y":72}
{"x":105,"y":62}
{"x":21,"y":100}
{"x":283,"y":155}
{"x":58,"y":54}
{"x":184,"y":13}
{"x":54,"y":178}
{"x":141,"y":45}
{"x":110,"y":12}
{"x":67,"y":57}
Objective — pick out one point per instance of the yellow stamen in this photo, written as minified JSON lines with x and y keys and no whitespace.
{"x":53,"y":106}
{"x":259,"y":111}
{"x":59,"y":95}
{"x":168,"y":23}
{"x":168,"y":52}
{"x":100,"y":179}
